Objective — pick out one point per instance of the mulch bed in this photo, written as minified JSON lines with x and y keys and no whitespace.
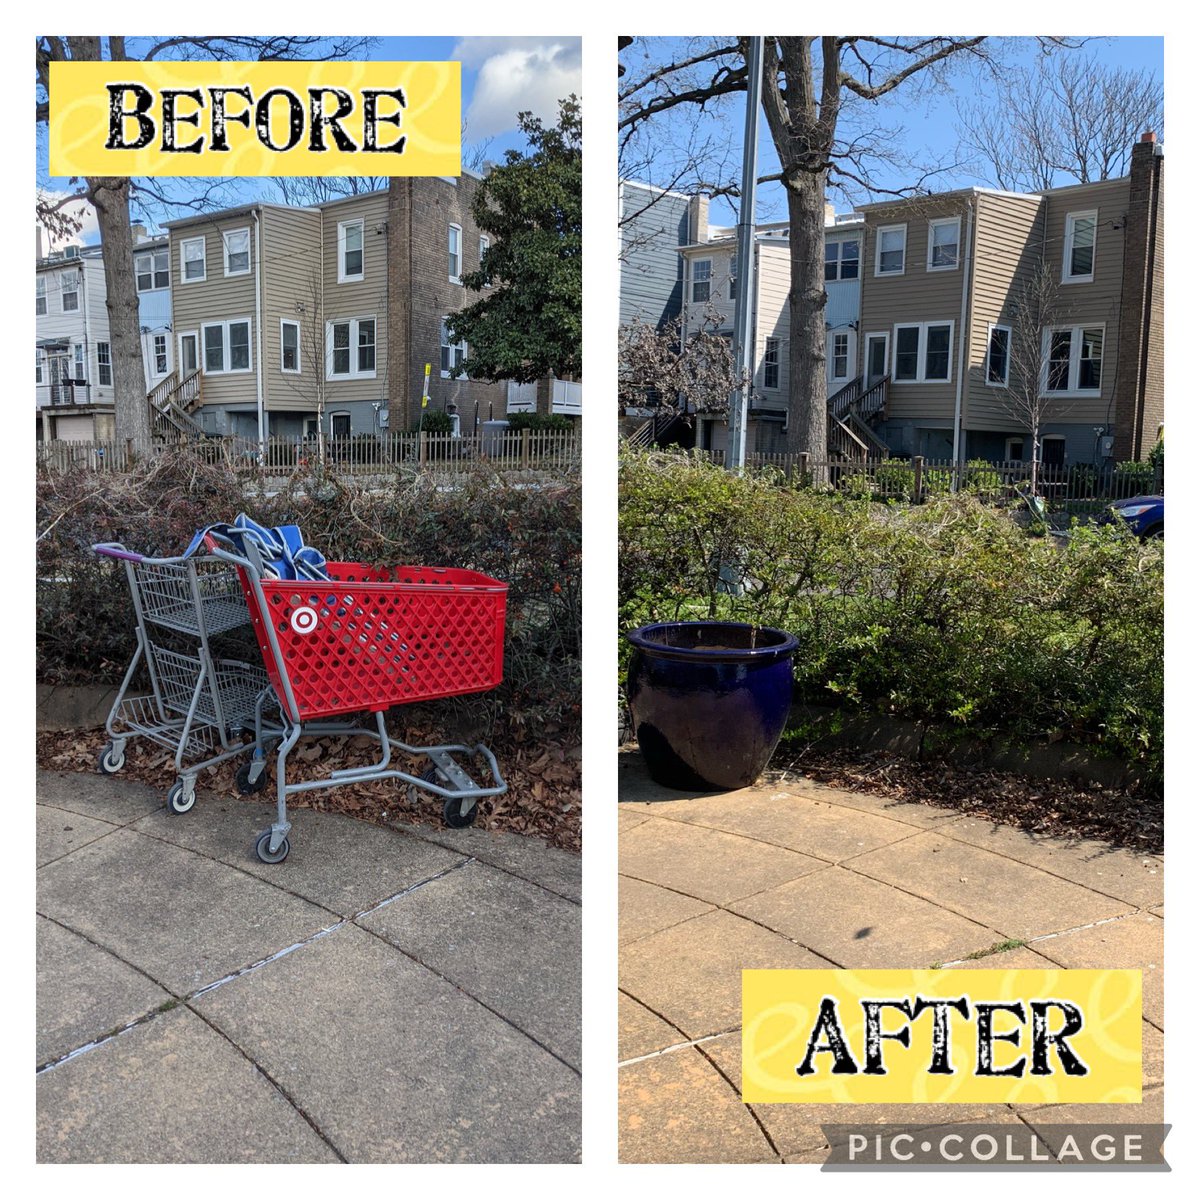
{"x":1064,"y":808}
{"x":543,"y":798}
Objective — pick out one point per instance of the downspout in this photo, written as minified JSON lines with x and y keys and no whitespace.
{"x":962,"y":332}
{"x":87,"y":355}
{"x":258,"y":337}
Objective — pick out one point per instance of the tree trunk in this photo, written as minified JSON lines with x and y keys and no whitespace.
{"x":110,"y":197}
{"x":808,"y":421}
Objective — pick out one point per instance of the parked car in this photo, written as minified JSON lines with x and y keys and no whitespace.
{"x":1143,"y":515}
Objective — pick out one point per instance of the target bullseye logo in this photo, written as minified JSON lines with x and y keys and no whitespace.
{"x":304,"y":620}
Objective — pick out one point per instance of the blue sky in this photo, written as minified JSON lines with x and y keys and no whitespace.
{"x":926,"y":120}
{"x":500,"y":77}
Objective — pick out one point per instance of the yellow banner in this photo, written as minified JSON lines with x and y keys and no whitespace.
{"x":944,"y":1037}
{"x":255,"y":119}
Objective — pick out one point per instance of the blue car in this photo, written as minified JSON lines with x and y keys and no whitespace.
{"x":1143,"y":515}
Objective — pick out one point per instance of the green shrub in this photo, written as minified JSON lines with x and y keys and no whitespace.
{"x":435,"y":421}
{"x":528,"y":420}
{"x":943,"y":613}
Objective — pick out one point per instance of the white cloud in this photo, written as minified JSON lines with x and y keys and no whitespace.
{"x":518,"y":75}
{"x":82,"y":211}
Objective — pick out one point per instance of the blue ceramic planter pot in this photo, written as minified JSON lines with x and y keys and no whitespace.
{"x":709,"y":700}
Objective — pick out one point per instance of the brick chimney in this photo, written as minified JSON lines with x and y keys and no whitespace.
{"x":1138,"y":408}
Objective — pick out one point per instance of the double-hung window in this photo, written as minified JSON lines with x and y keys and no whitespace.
{"x":352,"y":348}
{"x":923,"y":352}
{"x":191,"y":260}
{"x":41,"y":295}
{"x":733,"y":276}
{"x":289,"y":347}
{"x":104,"y":364}
{"x":1079,"y":248}
{"x":890,"y":241}
{"x":771,"y":365}
{"x":841,"y":260}
{"x":943,"y":244}
{"x":152,"y":270}
{"x":839,"y":356}
{"x":160,"y":353}
{"x":350,"y":251}
{"x":701,"y":280}
{"x":70,"y":291}
{"x":455,"y":253}
{"x":37,"y":355}
{"x":453,"y":354}
{"x":226,"y":346}
{"x":237,"y":251}
{"x":1074,"y":359}
{"x":999,"y":349}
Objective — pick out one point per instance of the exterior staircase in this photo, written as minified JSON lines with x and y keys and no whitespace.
{"x":172,"y":403}
{"x":652,"y":431}
{"x":854,"y":411}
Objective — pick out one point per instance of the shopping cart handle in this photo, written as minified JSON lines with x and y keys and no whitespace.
{"x":116,"y":550}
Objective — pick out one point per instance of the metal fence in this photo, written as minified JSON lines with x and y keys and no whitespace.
{"x":546,"y":450}
{"x":1079,"y":488}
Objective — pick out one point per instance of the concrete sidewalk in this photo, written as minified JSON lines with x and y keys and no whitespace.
{"x":805,"y":875}
{"x":384,"y":995}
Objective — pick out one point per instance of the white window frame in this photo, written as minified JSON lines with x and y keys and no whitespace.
{"x":444,"y":344}
{"x":155,"y":338}
{"x":987,"y":356}
{"x":866,"y":352}
{"x":286,"y":370}
{"x":153,"y":270}
{"x":354,"y":372}
{"x":840,"y":260}
{"x":226,"y":234}
{"x":183,"y":259}
{"x":226,"y":369}
{"x":63,"y":291}
{"x":1072,"y":390}
{"x":189,"y":333}
{"x":935,"y":223}
{"x":771,"y":346}
{"x":101,"y":364}
{"x":692,"y":280}
{"x":41,"y":307}
{"x":1069,"y":240}
{"x":484,"y":245}
{"x":922,"y":351}
{"x":454,"y":250}
{"x":37,"y":376}
{"x":343,"y":227}
{"x":733,"y":275}
{"x":834,"y":334}
{"x":902,"y":229}
{"x":80,"y":361}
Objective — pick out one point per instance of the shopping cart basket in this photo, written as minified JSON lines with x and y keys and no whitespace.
{"x":362,"y":641}
{"x":198,"y":706}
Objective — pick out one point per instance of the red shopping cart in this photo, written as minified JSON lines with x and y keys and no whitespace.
{"x":362,"y":641}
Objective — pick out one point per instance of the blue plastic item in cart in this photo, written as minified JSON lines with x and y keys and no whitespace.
{"x":281,"y":548}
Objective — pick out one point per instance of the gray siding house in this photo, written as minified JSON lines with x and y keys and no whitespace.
{"x":655,"y":223}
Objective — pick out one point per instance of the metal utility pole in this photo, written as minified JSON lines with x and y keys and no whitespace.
{"x":743,"y":341}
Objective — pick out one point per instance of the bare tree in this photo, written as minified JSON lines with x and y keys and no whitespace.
{"x":304,"y":190}
{"x":1069,"y":119}
{"x":809,"y":84}
{"x":111,"y":195}
{"x":1035,"y":364}
{"x":669,"y":368}
{"x":309,"y":383}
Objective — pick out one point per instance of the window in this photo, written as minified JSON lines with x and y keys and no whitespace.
{"x":237,"y":251}
{"x":1014,"y":449}
{"x":351,"y":348}
{"x":104,"y":364}
{"x":289,"y":347}
{"x":943,"y":244}
{"x":70,"y":291}
{"x":771,"y":365}
{"x":841,"y":260}
{"x":339,"y":424}
{"x":733,"y":277}
{"x":453,"y":353}
{"x":41,"y":295}
{"x":923,"y":352}
{"x":153,"y":270}
{"x":188,"y":357}
{"x":226,"y":347}
{"x":455,"y":244}
{"x":999,"y":344}
{"x":1079,"y":248}
{"x":701,"y":280}
{"x":350,"y":251}
{"x":839,"y":358}
{"x":889,"y":249}
{"x":37,"y":369}
{"x":160,"y":354}
{"x":484,"y":243}
{"x":191,"y":260}
{"x":1054,"y":450}
{"x":1074,"y":359}
{"x":80,"y":374}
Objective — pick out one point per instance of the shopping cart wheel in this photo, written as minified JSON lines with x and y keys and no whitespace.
{"x":453,"y":815}
{"x":263,"y":849}
{"x":110,"y":761}
{"x":180,"y":799}
{"x":243,"y":780}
